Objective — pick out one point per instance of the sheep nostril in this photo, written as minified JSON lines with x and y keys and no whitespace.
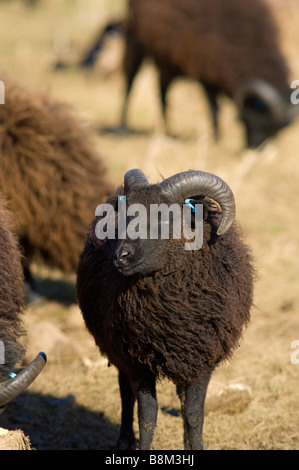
{"x":121,"y":258}
{"x":123,"y":255}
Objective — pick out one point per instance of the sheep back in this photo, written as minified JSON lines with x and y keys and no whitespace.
{"x":218,"y":43}
{"x":50,"y":172}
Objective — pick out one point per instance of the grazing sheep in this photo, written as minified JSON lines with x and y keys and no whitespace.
{"x":50,"y":173}
{"x":11,"y":308}
{"x":157,"y":310}
{"x":230,"y":47}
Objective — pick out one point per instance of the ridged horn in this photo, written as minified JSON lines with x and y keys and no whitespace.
{"x":134,"y":178}
{"x":199,"y":183}
{"x":11,"y":388}
{"x":268,"y":93}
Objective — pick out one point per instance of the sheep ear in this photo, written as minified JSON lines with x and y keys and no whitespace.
{"x":212,"y":213}
{"x":191,"y":202}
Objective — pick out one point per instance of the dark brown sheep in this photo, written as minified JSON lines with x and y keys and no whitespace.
{"x":11,"y":294}
{"x":157,"y":310}
{"x":230,"y":47}
{"x":51,"y":174}
{"x":11,"y":309}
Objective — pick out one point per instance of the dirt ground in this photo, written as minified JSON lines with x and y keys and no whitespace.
{"x":253,"y":401}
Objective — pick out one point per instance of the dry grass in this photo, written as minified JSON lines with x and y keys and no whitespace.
{"x":267,"y":193}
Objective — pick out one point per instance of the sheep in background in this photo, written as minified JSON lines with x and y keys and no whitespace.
{"x":51,"y":174}
{"x":11,"y":309}
{"x":157,"y":310}
{"x":230,"y":47}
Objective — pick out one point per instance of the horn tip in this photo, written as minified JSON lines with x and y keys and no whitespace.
{"x":43,"y":354}
{"x":222,"y":230}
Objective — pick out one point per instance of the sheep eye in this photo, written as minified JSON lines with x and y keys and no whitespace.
{"x":257,"y":104}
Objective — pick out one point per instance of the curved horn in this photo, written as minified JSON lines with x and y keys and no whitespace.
{"x":10,"y":389}
{"x":135,"y":178}
{"x":267,"y":92}
{"x":195,"y":183}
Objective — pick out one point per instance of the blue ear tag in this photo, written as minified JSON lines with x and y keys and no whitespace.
{"x":122,"y":198}
{"x":188,"y":203}
{"x":12,"y":375}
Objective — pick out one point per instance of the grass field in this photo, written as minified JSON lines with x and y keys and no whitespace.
{"x":266,"y":187}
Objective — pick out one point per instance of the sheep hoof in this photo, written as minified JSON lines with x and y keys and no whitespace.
{"x":126,"y":443}
{"x":119,"y":130}
{"x":123,"y":130}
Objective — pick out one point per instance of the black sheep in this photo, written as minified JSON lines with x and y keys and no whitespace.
{"x":230,"y":47}
{"x":11,"y":294}
{"x":157,"y":310}
{"x":11,"y":308}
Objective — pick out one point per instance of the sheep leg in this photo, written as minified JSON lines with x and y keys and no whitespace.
{"x":192,"y":400}
{"x":167,"y":74}
{"x":211,"y":93}
{"x":32,"y":292}
{"x":132,"y":61}
{"x":31,"y":289}
{"x":165,"y":80}
{"x":145,"y":388}
{"x":126,"y":439}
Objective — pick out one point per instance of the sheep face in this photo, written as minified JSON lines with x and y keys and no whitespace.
{"x":170,"y":218}
{"x":139,"y":257}
{"x":152,"y":223}
{"x":263,"y":109}
{"x":259,"y":122}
